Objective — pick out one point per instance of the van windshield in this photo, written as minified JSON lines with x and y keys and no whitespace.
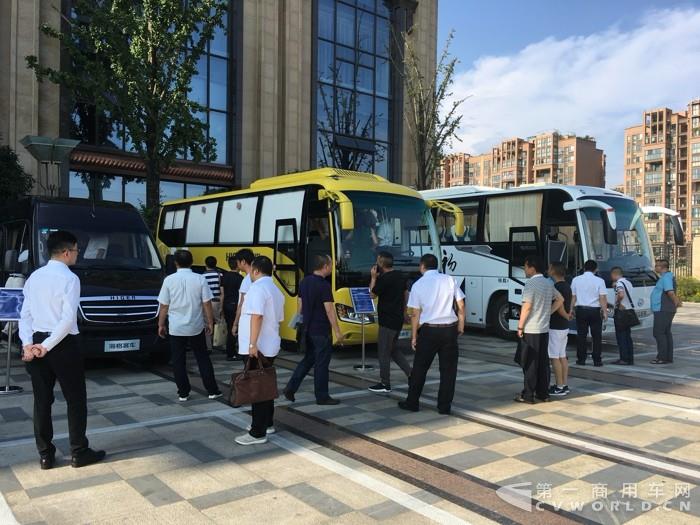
{"x":108,"y":238}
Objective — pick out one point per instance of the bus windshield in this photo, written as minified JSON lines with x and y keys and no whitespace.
{"x":402,"y":226}
{"x":108,"y":238}
{"x":632,"y":251}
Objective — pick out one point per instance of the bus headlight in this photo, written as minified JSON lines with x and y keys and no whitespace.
{"x":347,"y":313}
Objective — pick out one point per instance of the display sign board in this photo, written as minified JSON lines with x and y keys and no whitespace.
{"x":362,"y":301}
{"x":11,"y":300}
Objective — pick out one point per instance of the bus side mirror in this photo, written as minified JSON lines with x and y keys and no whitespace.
{"x":346,"y":214}
{"x":609,"y":233}
{"x":678,"y":235}
{"x":10,"y":263}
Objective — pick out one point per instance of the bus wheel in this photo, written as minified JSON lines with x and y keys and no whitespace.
{"x":499,"y":315}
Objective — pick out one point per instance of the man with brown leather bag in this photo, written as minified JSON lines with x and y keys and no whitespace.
{"x":259,"y":343}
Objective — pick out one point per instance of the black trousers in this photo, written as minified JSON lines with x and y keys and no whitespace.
{"x":262,"y":412}
{"x":536,"y":367}
{"x":589,"y":318}
{"x":198,"y":344}
{"x":434,"y":341}
{"x":230,"y":316}
{"x":65,"y":363}
{"x":664,"y":337}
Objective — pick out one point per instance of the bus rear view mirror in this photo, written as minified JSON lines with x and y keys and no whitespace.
{"x":346,"y":215}
{"x":678,"y":235}
{"x":10,"y":263}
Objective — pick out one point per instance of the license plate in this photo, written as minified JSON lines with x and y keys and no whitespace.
{"x":405,"y":334}
{"x":129,"y":345}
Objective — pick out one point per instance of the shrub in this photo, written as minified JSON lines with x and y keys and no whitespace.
{"x":689,"y":289}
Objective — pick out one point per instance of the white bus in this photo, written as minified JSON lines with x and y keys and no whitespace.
{"x":485,"y":250}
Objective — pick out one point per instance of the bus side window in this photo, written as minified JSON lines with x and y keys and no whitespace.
{"x":16,"y":236}
{"x":172,"y":227}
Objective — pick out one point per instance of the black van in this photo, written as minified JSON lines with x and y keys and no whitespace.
{"x":119,"y":267}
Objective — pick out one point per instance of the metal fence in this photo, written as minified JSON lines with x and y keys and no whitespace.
{"x":680,"y":258}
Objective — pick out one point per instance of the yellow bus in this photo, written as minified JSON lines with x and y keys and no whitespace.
{"x":291,"y":218}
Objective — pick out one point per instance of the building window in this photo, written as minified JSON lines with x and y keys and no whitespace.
{"x":353,"y":74}
{"x":211,"y":87}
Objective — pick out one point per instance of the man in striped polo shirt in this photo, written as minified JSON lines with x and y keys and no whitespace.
{"x":213,"y":278}
{"x":540,"y":301}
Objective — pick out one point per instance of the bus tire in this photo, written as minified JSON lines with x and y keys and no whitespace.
{"x":498,"y":315}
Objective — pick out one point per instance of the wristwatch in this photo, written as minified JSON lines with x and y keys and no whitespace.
{"x":251,"y":346}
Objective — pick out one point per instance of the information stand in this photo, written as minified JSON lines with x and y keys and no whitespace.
{"x":362,"y":304}
{"x":10,"y":308}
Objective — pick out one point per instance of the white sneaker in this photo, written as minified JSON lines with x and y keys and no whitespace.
{"x":182,"y":399}
{"x":247,"y":439}
{"x":215,"y":396}
{"x":270,"y":430}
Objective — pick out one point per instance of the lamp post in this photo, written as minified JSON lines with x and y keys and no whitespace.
{"x":48,"y":152}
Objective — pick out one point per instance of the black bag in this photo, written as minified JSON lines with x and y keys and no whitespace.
{"x":627,"y":318}
{"x":521,"y":352}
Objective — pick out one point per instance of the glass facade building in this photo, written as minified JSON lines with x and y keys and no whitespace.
{"x":353,"y":85}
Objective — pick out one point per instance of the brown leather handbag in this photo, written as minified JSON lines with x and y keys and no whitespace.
{"x":256,"y":383}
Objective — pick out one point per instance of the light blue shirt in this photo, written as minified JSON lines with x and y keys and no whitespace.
{"x":185,"y":292}
{"x":663,"y":285}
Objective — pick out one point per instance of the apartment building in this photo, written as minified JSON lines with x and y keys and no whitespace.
{"x":546,"y":158}
{"x":662,"y":167}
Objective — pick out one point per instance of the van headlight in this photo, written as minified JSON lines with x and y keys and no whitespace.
{"x":347,"y":313}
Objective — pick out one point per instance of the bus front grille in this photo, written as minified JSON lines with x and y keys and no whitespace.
{"x":119,"y":309}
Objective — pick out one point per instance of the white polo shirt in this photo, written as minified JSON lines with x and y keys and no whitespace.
{"x":245,"y":286}
{"x":588,"y":288}
{"x":263,"y":298}
{"x":435,"y":293}
{"x":184,"y":292}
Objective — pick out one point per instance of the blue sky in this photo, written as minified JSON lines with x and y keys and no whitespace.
{"x":578,"y":67}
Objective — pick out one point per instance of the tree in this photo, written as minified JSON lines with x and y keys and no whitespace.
{"x":14,"y":182}
{"x":430,"y":127}
{"x":134,"y":60}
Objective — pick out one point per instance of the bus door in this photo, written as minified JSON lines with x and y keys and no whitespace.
{"x":318,"y":241}
{"x":524,"y":241}
{"x":286,"y":255}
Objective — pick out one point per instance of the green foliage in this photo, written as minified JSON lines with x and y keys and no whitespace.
{"x":689,"y":289}
{"x":14,"y":182}
{"x":134,"y":60}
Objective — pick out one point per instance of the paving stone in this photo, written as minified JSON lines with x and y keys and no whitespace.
{"x":384,"y":511}
{"x":614,"y":477}
{"x":318,"y":499}
{"x":418,"y":440}
{"x":228,"y":495}
{"x":67,"y":486}
{"x":159,"y":399}
{"x":548,"y":455}
{"x":538,"y":476}
{"x":8,"y":481}
{"x":470,"y":459}
{"x":14,"y":414}
{"x":635,"y":420}
{"x":669,"y":445}
{"x":200,"y":451}
{"x":154,"y":490}
{"x":490,"y":437}
{"x":119,"y":418}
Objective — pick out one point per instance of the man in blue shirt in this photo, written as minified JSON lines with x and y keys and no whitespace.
{"x":664,"y":303}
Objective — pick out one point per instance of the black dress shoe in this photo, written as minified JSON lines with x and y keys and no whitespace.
{"x":599,"y":363}
{"x":445,"y":411}
{"x":581,"y":363}
{"x":289,"y":396}
{"x":328,"y":401}
{"x":403,"y":405}
{"x":521,"y":399}
{"x":47,"y":462}
{"x":88,"y":457}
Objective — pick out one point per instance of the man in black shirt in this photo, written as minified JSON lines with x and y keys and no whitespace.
{"x":559,"y":332}
{"x":231,"y":283}
{"x":315,"y":303}
{"x":390,"y":286}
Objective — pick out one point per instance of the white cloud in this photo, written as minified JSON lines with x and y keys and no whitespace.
{"x":590,"y":85}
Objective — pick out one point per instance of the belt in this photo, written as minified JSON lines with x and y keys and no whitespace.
{"x":590,"y":307}
{"x":215,"y":300}
{"x":431,"y":325}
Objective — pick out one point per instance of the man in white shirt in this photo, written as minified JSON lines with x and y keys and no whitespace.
{"x":590,"y":296}
{"x":183,"y":298}
{"x":623,"y":301}
{"x":48,"y":326}
{"x":434,"y":328}
{"x":259,"y":333}
{"x":244,"y":259}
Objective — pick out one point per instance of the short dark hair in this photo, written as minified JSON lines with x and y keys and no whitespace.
{"x":558,"y":269}
{"x":232,"y":262}
{"x":664,"y":263}
{"x":321,"y":260}
{"x":536,"y":262}
{"x":386,"y":260}
{"x":210,"y":262}
{"x":590,"y":266}
{"x":429,"y":261}
{"x":616,"y":269}
{"x":60,"y":240}
{"x":262,"y":264}
{"x":245,"y":255}
{"x":183,"y":258}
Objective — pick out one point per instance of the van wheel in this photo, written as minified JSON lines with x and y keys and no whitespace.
{"x":499,"y":315}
